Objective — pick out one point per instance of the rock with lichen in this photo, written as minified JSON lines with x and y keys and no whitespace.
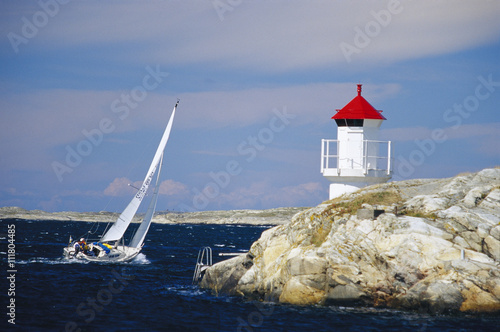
{"x":435,"y":249}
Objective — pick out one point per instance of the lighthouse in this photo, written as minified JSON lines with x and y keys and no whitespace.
{"x":357,"y":158}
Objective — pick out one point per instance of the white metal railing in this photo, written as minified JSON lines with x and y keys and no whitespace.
{"x":203,"y":262}
{"x":375,"y":155}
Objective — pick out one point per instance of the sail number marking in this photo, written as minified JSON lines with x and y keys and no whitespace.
{"x":142,"y":192}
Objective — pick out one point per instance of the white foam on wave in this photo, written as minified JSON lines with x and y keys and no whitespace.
{"x":140,"y":260}
{"x":183,"y":290}
{"x":51,"y":261}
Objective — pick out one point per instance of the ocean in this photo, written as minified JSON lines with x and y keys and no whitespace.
{"x":41,"y":291}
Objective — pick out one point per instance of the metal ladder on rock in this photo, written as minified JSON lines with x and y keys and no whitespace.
{"x":203,"y":262}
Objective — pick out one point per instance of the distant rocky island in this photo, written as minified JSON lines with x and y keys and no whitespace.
{"x":430,"y":245}
{"x":277,"y":216}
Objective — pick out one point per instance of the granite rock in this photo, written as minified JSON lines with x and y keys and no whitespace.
{"x":440,"y":253}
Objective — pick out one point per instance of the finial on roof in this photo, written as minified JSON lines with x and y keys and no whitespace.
{"x":359,"y":89}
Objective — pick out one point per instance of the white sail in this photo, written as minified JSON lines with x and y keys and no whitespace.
{"x":143,"y":229}
{"x":116,"y":231}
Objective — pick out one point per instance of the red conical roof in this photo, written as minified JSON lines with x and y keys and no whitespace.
{"x":358,"y":108}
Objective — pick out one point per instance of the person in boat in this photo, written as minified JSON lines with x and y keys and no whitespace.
{"x":90,"y":250}
{"x":80,"y":246}
{"x":87,"y":250}
{"x":98,"y":247}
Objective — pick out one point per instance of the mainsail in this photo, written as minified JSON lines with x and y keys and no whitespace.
{"x":141,"y":232}
{"x":116,"y":231}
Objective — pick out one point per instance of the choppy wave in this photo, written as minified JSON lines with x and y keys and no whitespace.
{"x":141,"y":259}
{"x":183,"y":290}
{"x":51,"y":261}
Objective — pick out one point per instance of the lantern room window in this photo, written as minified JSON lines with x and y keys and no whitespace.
{"x":349,"y":122}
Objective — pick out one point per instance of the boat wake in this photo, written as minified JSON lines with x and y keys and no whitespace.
{"x":51,"y":261}
{"x":140,"y":260}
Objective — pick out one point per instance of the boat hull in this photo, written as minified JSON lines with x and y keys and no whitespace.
{"x":118,"y":254}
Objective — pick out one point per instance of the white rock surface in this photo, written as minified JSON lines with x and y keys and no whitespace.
{"x":441,"y":254}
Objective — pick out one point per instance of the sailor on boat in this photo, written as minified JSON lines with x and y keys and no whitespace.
{"x":80,"y":245}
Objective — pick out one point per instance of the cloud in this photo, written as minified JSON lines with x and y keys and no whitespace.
{"x":473,"y":130}
{"x":121,"y":187}
{"x":173,"y":188}
{"x":67,"y":197}
{"x":33,"y":123}
{"x":304,"y":194}
{"x":52,"y":204}
{"x":271,"y":36}
{"x":58,"y":119}
{"x":309,"y":103}
{"x":262,"y":194}
{"x":276,"y":37}
{"x":16,"y":192}
{"x":451,"y":133}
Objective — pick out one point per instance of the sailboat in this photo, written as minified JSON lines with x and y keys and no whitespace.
{"x":111,"y":245}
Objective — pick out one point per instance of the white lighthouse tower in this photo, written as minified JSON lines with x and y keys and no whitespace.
{"x":356,"y":158}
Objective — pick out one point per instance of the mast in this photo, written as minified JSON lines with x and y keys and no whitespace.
{"x":117,"y":230}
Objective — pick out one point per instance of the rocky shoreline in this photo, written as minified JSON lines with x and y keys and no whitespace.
{"x":428,"y":245}
{"x":277,"y":216}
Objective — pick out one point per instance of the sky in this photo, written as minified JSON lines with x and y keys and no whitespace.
{"x":87,"y":87}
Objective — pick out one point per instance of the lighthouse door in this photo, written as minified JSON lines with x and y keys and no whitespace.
{"x":355,"y":149}
{"x":350,"y":149}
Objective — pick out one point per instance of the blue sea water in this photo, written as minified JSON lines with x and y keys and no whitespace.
{"x":154,"y":292}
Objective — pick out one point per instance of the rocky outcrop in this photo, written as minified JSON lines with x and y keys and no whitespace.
{"x":13,"y":212}
{"x":277,"y":216}
{"x":435,"y":249}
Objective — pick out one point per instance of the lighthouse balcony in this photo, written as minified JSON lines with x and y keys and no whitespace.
{"x":354,"y":161}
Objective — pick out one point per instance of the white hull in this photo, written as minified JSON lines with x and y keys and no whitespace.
{"x":118,"y":254}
